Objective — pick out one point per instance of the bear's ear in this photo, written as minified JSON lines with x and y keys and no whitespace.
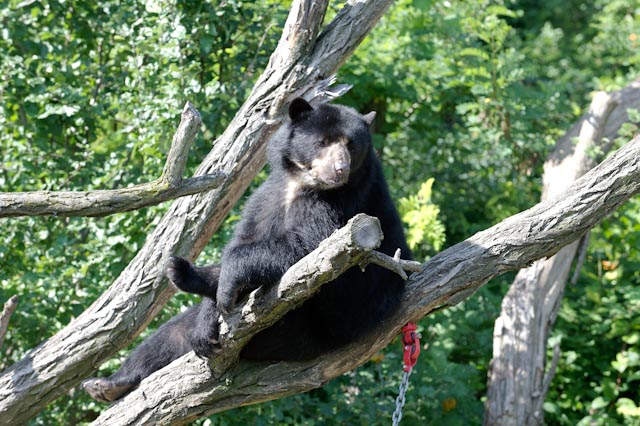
{"x":369,"y":117}
{"x":297,"y":108}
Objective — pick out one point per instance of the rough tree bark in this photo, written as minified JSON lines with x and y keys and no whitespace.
{"x":451,"y":276}
{"x":517,"y":383}
{"x":105,"y":202}
{"x":301,"y":63}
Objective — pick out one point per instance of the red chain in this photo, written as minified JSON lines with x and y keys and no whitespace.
{"x":411,"y":342}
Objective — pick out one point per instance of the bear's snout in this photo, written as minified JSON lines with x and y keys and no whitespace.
{"x":333,"y":165}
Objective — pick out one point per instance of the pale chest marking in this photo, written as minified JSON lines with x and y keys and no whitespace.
{"x":291,"y":192}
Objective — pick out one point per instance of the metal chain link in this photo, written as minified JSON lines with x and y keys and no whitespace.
{"x":400,"y":400}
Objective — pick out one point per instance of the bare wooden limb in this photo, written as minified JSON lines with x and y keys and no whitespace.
{"x":101,"y":202}
{"x":134,"y":298}
{"x":8,"y":310}
{"x":106,"y":202}
{"x":548,"y":376}
{"x":516,"y":386}
{"x":453,"y":274}
{"x":182,"y":141}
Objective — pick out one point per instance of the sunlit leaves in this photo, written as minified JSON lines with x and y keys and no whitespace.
{"x":425,"y":232}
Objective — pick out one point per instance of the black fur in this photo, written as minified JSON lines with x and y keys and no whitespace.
{"x":310,"y":192}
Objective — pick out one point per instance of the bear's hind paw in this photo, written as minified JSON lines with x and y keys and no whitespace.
{"x":104,"y":390}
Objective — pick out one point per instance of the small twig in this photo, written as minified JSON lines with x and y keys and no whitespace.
{"x":8,"y":310}
{"x":252,"y":66}
{"x":395,"y":264}
{"x":546,"y":382}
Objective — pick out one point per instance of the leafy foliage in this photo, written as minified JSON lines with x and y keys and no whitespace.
{"x":424,"y":231}
{"x":470,"y":94}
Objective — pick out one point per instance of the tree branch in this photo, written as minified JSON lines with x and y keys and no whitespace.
{"x":105,"y":202}
{"x":141,"y":290}
{"x":8,"y":310}
{"x":395,"y":264}
{"x":345,"y":248}
{"x":454,"y":274}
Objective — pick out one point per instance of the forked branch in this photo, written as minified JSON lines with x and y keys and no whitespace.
{"x":105,"y":202}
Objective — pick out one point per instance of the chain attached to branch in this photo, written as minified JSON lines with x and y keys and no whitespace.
{"x":411,"y":351}
{"x":400,"y":400}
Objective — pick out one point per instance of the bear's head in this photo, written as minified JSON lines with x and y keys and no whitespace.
{"x":322,"y":148}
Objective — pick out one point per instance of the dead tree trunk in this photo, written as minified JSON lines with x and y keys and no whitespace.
{"x":302,"y":62}
{"x":517,"y":382}
{"x":198,"y":389}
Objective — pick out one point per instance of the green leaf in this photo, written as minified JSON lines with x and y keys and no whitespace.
{"x":500,"y":10}
{"x":627,"y":407}
{"x":64,"y":110}
{"x":599,"y":403}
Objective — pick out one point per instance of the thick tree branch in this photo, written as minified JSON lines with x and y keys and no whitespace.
{"x":516,"y":381}
{"x":8,"y":310}
{"x":446,"y":279}
{"x":105,"y":202}
{"x":125,"y":309}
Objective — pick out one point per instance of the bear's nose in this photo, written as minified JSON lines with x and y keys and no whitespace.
{"x":342,"y":168}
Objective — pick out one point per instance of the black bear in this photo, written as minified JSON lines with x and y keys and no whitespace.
{"x":323,"y":172}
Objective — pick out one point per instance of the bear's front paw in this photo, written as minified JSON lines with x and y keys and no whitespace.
{"x":229,"y":288}
{"x":205,"y":344}
{"x":227,"y":299}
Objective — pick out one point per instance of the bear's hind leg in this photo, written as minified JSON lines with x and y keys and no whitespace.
{"x":193,"y":279}
{"x":168,"y":343}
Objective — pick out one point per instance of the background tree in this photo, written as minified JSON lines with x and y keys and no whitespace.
{"x":471,"y":93}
